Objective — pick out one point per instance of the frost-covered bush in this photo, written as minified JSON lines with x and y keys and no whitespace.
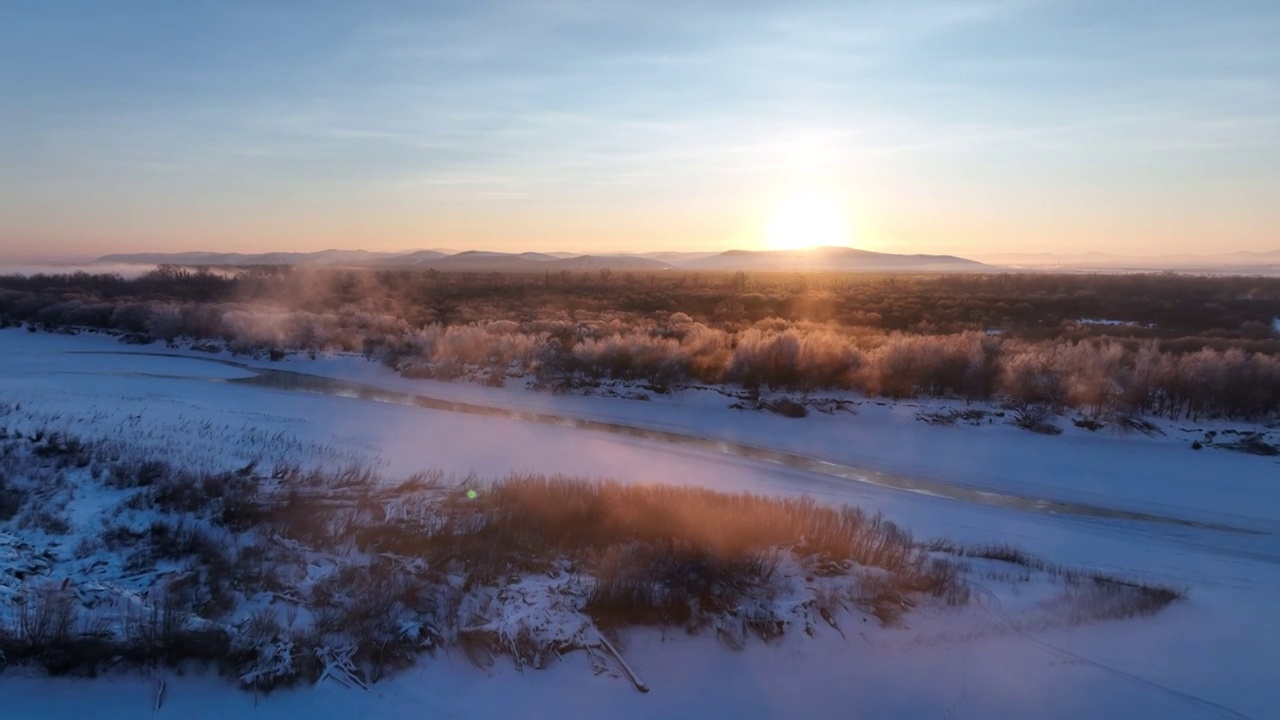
{"x":1185,"y":347}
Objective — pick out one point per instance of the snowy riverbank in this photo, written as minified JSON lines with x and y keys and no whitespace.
{"x":1217,"y":646}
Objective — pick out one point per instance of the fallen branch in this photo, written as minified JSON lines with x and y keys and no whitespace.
{"x":339,"y":667}
{"x":632,"y":673}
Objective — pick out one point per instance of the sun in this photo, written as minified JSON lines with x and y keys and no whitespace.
{"x":807,"y":218}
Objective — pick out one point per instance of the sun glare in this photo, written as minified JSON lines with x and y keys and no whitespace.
{"x":806,"y":219}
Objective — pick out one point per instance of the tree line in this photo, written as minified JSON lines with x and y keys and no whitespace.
{"x":1175,"y":346}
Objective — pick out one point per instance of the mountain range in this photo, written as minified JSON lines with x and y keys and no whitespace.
{"x":811,"y":259}
{"x":818,"y":259}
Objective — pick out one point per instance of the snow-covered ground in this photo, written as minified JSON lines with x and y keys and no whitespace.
{"x":1212,"y":655}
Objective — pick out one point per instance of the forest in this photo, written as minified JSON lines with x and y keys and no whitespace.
{"x":1102,"y":346}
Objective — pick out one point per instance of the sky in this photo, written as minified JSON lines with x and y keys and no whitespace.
{"x":968,"y":127}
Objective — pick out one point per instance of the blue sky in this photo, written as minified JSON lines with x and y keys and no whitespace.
{"x":970,"y":127}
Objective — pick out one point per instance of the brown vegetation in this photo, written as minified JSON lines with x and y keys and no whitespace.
{"x":1188,"y":347}
{"x":385,"y":571}
{"x":277,"y":574}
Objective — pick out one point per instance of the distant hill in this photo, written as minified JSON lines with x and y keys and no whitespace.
{"x":613,"y":262}
{"x":479,"y":261}
{"x":827,"y":259}
{"x":814,"y":259}
{"x":323,"y":257}
{"x":674,"y":258}
{"x":541,"y":256}
{"x":483,"y":261}
{"x":418,"y":257}
{"x":467,"y":261}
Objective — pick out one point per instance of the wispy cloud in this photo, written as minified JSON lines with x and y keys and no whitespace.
{"x":355,"y":109}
